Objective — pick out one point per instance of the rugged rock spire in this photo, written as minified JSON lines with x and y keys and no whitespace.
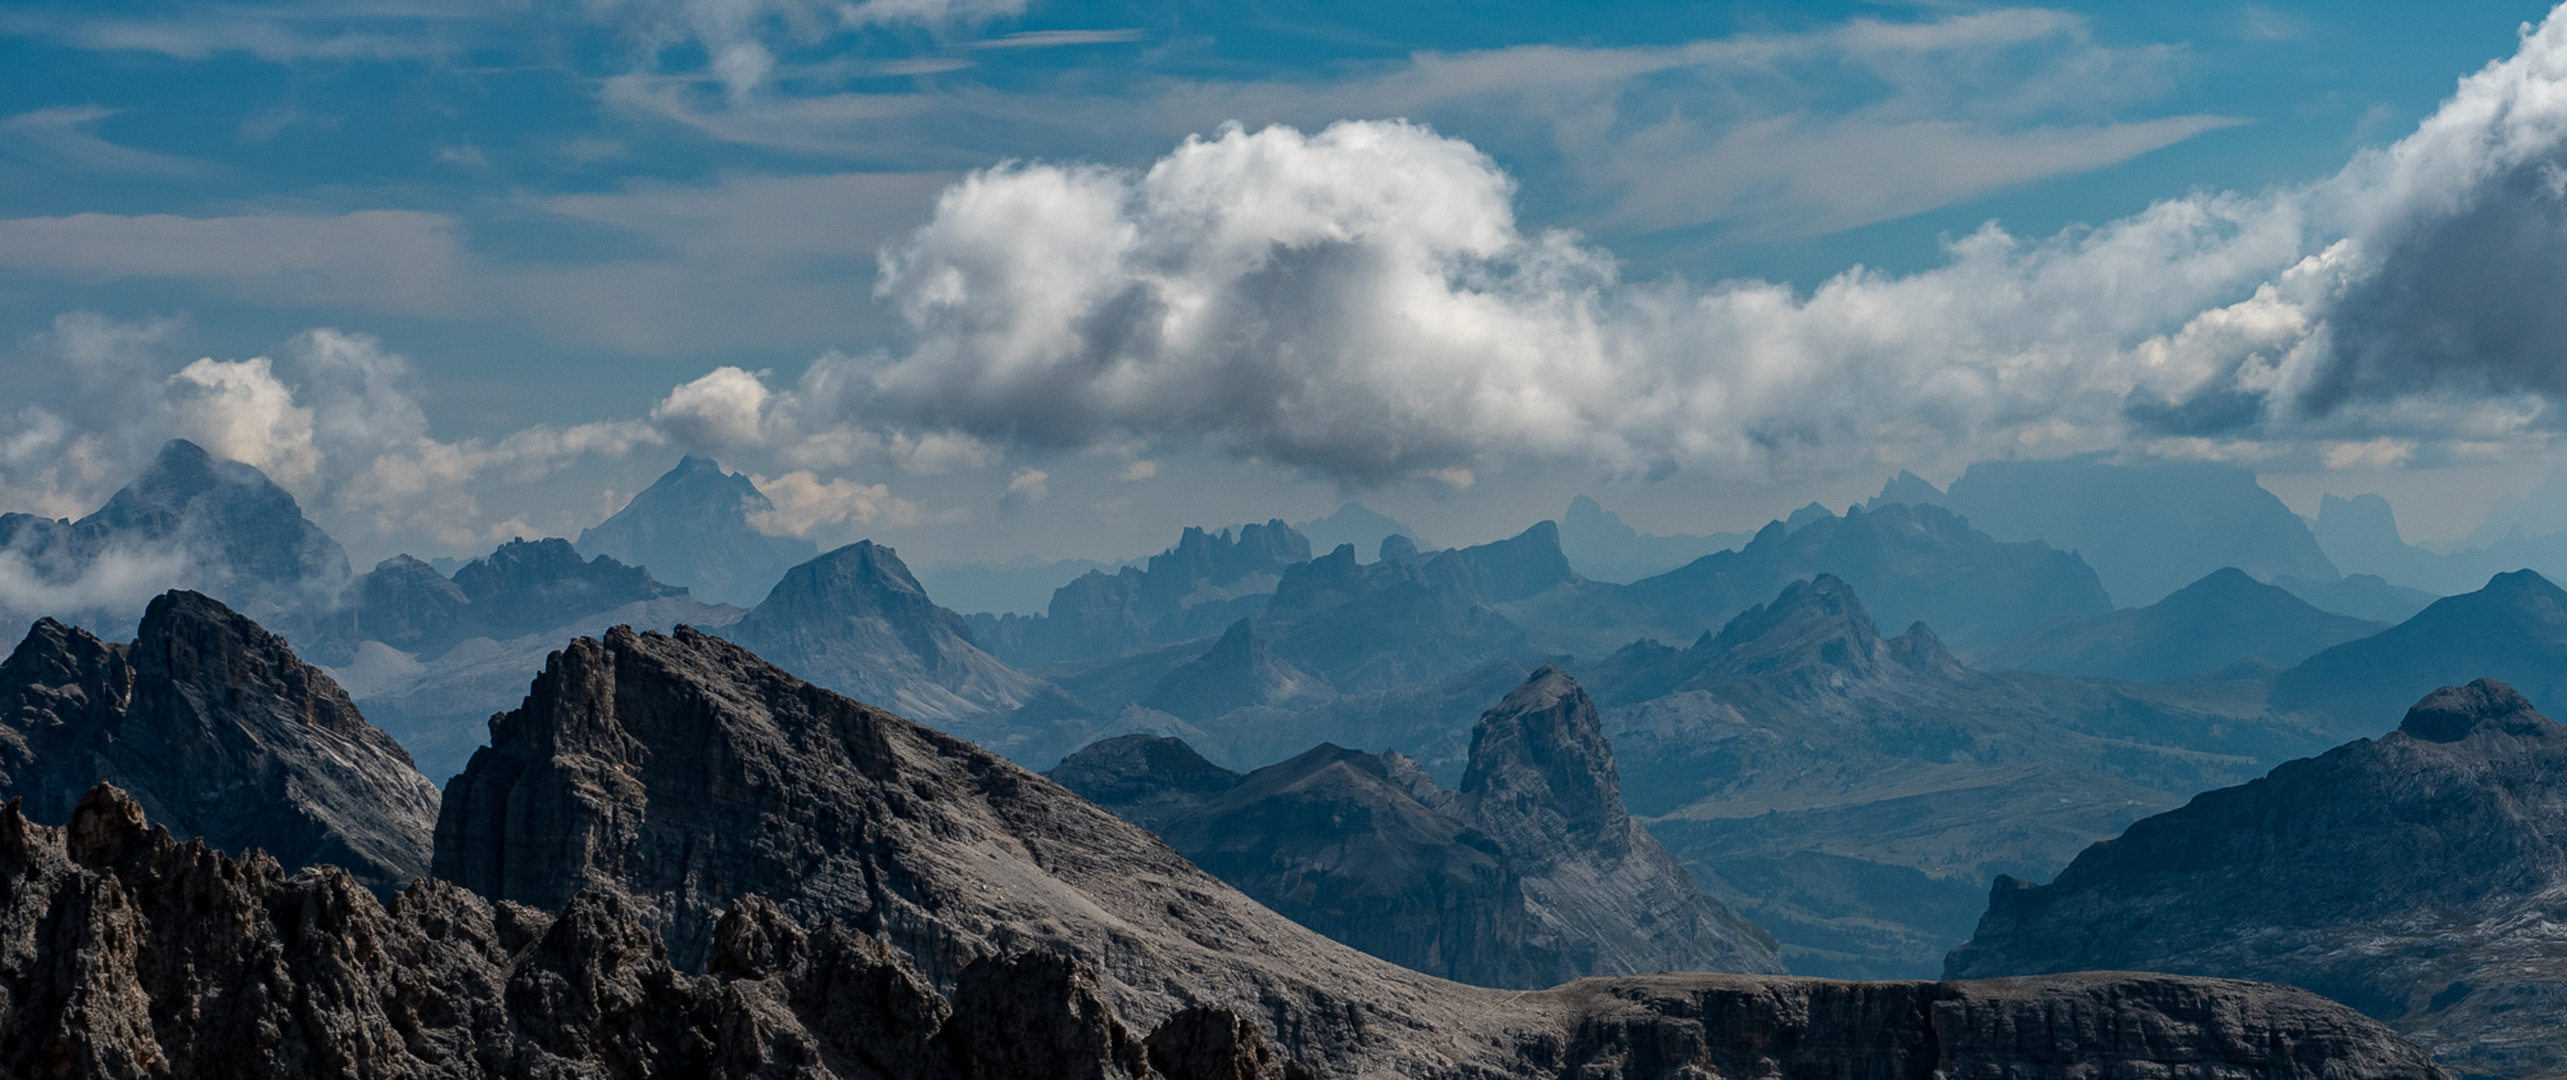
{"x":219,"y":731}
{"x":1542,"y":776}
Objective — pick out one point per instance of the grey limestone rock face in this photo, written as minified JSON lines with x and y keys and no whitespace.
{"x":2412,"y":877}
{"x":220,"y":731}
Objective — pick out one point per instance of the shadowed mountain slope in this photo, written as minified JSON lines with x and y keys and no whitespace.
{"x":2415,"y":877}
{"x":2222,"y":620}
{"x":685,"y":773}
{"x":2513,"y":630}
{"x":216,"y":727}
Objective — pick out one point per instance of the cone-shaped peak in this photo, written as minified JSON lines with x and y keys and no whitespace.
{"x":2454,"y":713}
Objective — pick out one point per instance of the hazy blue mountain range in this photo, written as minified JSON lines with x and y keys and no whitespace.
{"x":855,"y":621}
{"x":1912,"y":563}
{"x":2514,"y":630}
{"x":1021,"y":586}
{"x":2146,"y":530}
{"x":2361,"y":534}
{"x":698,"y":527}
{"x":1602,"y":547}
{"x":1204,"y":583}
{"x":2223,"y":620}
{"x":1853,"y":792}
{"x":2414,"y":877}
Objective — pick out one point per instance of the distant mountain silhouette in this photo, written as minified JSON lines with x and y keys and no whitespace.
{"x":1204,"y":583}
{"x":2220,"y":621}
{"x":1528,"y":874}
{"x":1239,"y":670}
{"x":696,"y":526}
{"x":1922,"y":563}
{"x":2414,"y":877}
{"x":1602,"y":547}
{"x":1851,"y":792}
{"x":1419,"y":618}
{"x":2513,"y":630}
{"x":1354,"y":524}
{"x":189,"y":520}
{"x":2362,"y":596}
{"x":855,"y":621}
{"x":2146,"y":530}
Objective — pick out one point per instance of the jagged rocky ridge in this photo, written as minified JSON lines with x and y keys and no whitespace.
{"x":126,"y":953}
{"x":2416,"y":877}
{"x":219,"y":731}
{"x":685,"y":774}
{"x":1528,"y":875}
{"x":1205,"y":582}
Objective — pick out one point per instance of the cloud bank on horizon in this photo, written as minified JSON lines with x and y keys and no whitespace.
{"x":1361,"y":301}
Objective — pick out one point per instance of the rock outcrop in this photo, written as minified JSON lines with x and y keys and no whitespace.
{"x":2415,"y":877}
{"x":698,"y":526}
{"x":220,"y":732}
{"x":1542,"y":783}
{"x":125,"y":953}
{"x":855,"y":621}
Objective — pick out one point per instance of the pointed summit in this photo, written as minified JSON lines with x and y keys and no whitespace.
{"x":697,"y":526}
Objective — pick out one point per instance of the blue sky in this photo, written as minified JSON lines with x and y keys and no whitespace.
{"x":523,"y":226}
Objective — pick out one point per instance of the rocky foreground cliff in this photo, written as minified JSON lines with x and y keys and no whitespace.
{"x":126,"y":953}
{"x":2417,"y":877}
{"x":219,"y":730}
